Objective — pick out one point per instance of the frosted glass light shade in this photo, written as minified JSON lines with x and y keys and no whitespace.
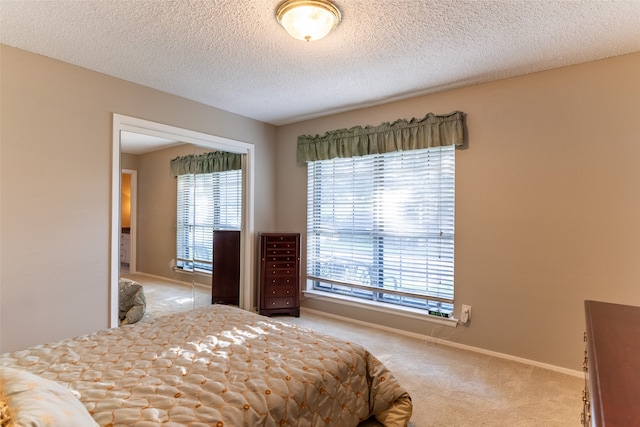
{"x":308,"y":19}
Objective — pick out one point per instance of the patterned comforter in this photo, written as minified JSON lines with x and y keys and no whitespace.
{"x":219,"y":366}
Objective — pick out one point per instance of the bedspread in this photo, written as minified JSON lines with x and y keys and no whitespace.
{"x":219,"y":366}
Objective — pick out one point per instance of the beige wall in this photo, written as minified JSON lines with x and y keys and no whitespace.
{"x":129,"y":161}
{"x":547,"y":203}
{"x":546,"y":209}
{"x":157,"y":195}
{"x":156,"y":216}
{"x":55,"y":175}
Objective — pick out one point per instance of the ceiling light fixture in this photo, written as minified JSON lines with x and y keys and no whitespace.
{"x":308,"y":19}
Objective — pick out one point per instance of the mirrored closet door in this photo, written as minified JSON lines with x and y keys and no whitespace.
{"x":173,"y":196}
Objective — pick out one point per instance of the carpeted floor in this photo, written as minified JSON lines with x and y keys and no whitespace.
{"x":168,"y":297}
{"x":449,"y":387}
{"x":458,"y":388}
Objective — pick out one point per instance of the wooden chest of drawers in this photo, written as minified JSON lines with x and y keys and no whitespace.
{"x":280,"y":274}
{"x":612,"y":365}
{"x":225,"y":280}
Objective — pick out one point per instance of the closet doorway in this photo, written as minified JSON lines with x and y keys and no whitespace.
{"x":123,"y":124}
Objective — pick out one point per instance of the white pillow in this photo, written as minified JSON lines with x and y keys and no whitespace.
{"x":38,"y":402}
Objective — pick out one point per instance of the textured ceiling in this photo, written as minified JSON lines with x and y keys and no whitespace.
{"x":232,"y":54}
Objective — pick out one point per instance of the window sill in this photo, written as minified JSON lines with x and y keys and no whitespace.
{"x":408,"y":312}
{"x":197,"y":271}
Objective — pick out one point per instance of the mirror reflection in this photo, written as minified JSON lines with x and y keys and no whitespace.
{"x":174,"y":197}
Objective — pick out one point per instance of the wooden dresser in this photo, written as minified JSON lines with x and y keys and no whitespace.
{"x":280,"y":274}
{"x":612,"y":365}
{"x":225,"y":279}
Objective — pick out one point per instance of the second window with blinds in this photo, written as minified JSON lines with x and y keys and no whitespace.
{"x":381,"y":228}
{"x":206,"y":202}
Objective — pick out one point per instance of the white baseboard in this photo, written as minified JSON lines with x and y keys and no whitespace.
{"x":434,"y":340}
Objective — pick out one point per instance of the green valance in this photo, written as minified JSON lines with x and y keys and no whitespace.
{"x":430,"y":131}
{"x":215,"y":161}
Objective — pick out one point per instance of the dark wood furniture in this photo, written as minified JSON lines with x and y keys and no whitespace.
{"x":279,"y":274}
{"x":225,"y":279}
{"x":612,"y":365}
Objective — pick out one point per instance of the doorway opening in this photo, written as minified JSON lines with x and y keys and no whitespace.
{"x":128,"y":212}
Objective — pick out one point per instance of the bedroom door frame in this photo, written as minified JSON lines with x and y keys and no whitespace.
{"x":247,"y":241}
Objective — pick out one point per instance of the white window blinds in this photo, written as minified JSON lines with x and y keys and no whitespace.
{"x":381,"y":227}
{"x":206,"y":202}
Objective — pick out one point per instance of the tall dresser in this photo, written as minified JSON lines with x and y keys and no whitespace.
{"x":280,"y":274}
{"x":225,"y":279}
{"x":612,"y":365}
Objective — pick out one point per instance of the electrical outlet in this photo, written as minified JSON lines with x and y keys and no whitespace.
{"x":172,"y":264}
{"x":465,"y":314}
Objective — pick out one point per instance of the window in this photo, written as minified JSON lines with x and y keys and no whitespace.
{"x":206,"y":202}
{"x":381,"y":227}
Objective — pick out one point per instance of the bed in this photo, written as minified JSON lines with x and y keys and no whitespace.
{"x":215,"y":366}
